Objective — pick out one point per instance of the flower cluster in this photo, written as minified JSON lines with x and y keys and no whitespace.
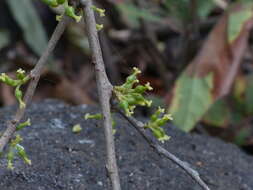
{"x":129,"y":95}
{"x":156,"y":122}
{"x":21,"y":79}
{"x":16,"y":149}
{"x":69,"y":10}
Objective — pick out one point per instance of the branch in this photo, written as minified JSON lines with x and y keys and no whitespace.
{"x":104,"y":91}
{"x":139,"y":126}
{"x":35,"y":76}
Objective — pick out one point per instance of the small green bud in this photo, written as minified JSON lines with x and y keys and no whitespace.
{"x":99,"y":10}
{"x":24,"y":124}
{"x":70,"y":11}
{"x":9,"y":81}
{"x":136,"y":71}
{"x":156,"y":122}
{"x":22,"y":154}
{"x":158,"y":112}
{"x":19,"y":96}
{"x":124,"y":105}
{"x":20,"y":74}
{"x":164,"y":138}
{"x":76,"y":128}
{"x":93,"y":116}
{"x":99,"y":27}
{"x":132,"y":79}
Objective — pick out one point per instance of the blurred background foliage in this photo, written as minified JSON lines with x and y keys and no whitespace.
{"x":197,"y":54}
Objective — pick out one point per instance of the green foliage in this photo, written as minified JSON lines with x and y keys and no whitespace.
{"x":16,"y":149}
{"x":28,"y":19}
{"x":156,"y":122}
{"x":129,"y":96}
{"x":17,"y":83}
{"x":236,"y":21}
{"x":192,"y":98}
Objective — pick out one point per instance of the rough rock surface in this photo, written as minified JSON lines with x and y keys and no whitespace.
{"x":65,"y":161}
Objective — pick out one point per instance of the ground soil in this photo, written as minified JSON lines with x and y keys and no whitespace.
{"x":62,"y":160}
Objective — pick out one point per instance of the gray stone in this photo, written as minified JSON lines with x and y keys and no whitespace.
{"x":62,"y":160}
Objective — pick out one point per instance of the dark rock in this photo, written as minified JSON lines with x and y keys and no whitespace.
{"x":65,"y":161}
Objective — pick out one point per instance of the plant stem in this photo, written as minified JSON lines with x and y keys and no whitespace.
{"x":35,"y":76}
{"x":104,"y":91}
{"x":139,"y":126}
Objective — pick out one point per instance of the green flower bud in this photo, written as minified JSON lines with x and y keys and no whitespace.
{"x":131,"y":79}
{"x":124,"y":105}
{"x":9,"y":81}
{"x":20,"y":74}
{"x":22,"y":154}
{"x":158,"y":112}
{"x":93,"y":116}
{"x":99,"y":27}
{"x":164,"y":138}
{"x":100,"y":11}
{"x":19,"y":96}
{"x":147,"y":85}
{"x":76,"y":128}
{"x":70,"y":11}
{"x":136,"y":71}
{"x":24,"y":124}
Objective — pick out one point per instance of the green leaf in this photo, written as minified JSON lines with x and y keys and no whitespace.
{"x":4,"y":38}
{"x":237,"y":19}
{"x":191,"y":99}
{"x":205,"y":7}
{"x":26,"y":16}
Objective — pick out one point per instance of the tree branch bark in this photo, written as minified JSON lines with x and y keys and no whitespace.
{"x":35,"y":76}
{"x":104,"y":91}
{"x":139,"y":126}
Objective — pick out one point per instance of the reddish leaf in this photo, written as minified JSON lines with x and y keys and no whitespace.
{"x":212,"y":72}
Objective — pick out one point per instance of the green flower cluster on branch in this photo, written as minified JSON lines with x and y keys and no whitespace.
{"x":21,"y":79}
{"x":129,"y":96}
{"x":156,"y":122}
{"x":68,"y":9}
{"x":16,"y":149}
{"x":71,"y":11}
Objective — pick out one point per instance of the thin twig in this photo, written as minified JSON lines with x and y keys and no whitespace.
{"x":139,"y":126}
{"x":104,"y":91}
{"x":35,"y":76}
